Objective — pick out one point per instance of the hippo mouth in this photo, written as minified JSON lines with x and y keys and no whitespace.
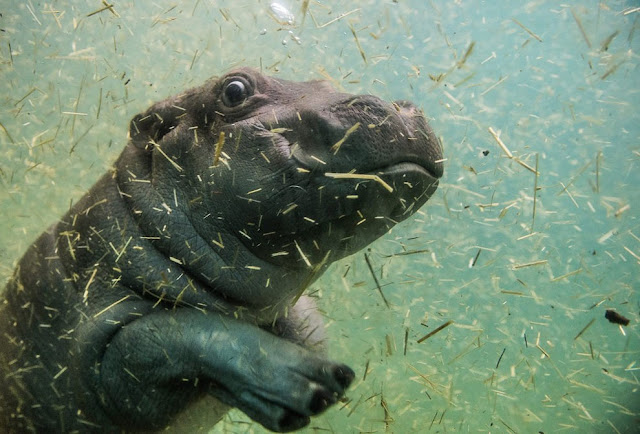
{"x":409,"y":174}
{"x":393,"y":192}
{"x":428,"y":169}
{"x":413,"y":184}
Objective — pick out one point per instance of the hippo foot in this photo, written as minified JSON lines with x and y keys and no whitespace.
{"x":285,"y":403}
{"x":177,"y":356}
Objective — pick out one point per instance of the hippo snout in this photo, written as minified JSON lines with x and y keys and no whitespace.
{"x":416,"y":122}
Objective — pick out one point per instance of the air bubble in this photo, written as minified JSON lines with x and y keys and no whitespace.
{"x":282,"y":14}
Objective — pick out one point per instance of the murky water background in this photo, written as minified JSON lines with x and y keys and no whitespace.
{"x":559,"y":83}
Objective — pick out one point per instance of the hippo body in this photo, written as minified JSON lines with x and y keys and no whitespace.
{"x":179,"y":275}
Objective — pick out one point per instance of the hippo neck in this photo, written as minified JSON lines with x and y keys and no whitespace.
{"x":224,"y":268}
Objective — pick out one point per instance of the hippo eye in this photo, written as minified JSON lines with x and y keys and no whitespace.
{"x":235,"y":92}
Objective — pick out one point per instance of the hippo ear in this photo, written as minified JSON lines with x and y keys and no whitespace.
{"x":150,"y":126}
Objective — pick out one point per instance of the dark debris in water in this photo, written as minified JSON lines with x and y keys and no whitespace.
{"x":616,"y":318}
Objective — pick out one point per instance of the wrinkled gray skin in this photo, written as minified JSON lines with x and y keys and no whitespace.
{"x":175,"y":278}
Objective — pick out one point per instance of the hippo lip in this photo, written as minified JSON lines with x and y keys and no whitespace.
{"x":431,"y":169}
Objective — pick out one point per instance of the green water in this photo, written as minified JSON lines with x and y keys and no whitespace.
{"x":541,"y":74}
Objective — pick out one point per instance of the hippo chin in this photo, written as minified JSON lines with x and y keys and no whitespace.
{"x":179,"y":275}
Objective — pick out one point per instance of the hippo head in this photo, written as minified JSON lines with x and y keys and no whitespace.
{"x":283,"y":178}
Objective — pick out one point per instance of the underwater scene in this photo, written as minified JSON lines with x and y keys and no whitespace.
{"x":509,"y":302}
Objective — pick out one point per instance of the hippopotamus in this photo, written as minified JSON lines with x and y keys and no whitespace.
{"x":177,"y":281}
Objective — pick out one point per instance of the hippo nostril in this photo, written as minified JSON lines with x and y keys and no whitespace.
{"x":344,"y":375}
{"x":320,"y":401}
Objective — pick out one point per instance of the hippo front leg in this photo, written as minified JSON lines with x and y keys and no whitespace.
{"x":157,"y":364}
